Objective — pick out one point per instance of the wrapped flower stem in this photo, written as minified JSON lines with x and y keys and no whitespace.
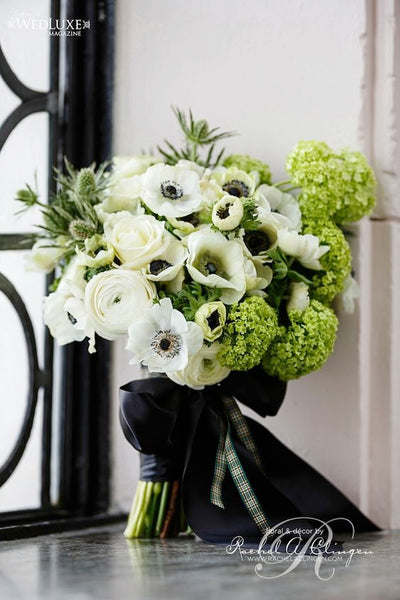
{"x":156,"y":511}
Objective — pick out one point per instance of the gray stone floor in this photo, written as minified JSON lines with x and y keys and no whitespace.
{"x":101,"y":564}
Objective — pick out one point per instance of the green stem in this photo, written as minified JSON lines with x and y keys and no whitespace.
{"x":141,"y":522}
{"x":281,"y":183}
{"x":163,"y":507}
{"x":290,"y":189}
{"x":150,"y":519}
{"x":135,"y":510}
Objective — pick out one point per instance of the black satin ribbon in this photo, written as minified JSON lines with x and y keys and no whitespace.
{"x":177,"y":430}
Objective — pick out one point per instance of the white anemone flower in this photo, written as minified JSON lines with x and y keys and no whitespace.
{"x":171,"y":191}
{"x":284,"y":206}
{"x":258,"y":277}
{"x":167,"y":265}
{"x":98,"y":252}
{"x":163,"y":340}
{"x":115,"y":298}
{"x":136,"y":240}
{"x":217,"y":262}
{"x":305,"y":248}
{"x":202,"y":369}
{"x":257,"y":242}
{"x":227,"y":213}
{"x":66,"y":317}
{"x":299,"y":298}
{"x":235,"y":182}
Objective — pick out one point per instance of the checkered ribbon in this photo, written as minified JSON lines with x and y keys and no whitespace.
{"x":227,"y":458}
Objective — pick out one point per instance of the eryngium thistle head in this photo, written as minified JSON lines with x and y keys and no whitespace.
{"x":80,"y":230}
{"x":85,"y":182}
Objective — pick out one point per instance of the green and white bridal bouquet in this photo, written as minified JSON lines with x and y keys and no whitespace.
{"x":202,"y":261}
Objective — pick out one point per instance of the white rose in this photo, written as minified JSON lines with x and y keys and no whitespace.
{"x":44,"y":255}
{"x":116,"y":298}
{"x":299,"y":298}
{"x":202,"y":369}
{"x":136,"y":240}
{"x":305,"y":248}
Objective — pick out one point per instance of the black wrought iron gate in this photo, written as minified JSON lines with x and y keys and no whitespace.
{"x":78,"y":104}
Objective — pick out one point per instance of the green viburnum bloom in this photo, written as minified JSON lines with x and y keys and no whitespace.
{"x":250,"y":328}
{"x":303,"y":346}
{"x":336,"y":263}
{"x":249,"y":164}
{"x":338,"y":185}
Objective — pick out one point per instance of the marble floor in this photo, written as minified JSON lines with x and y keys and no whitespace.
{"x":100,"y":564}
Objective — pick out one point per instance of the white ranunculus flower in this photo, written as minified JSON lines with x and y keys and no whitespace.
{"x":44,"y":255}
{"x":280,"y":203}
{"x":163,"y":340}
{"x":235,"y":182}
{"x":98,"y":252}
{"x":171,"y":191}
{"x":202,"y":369}
{"x":116,"y":298}
{"x":66,"y":317}
{"x":350,"y":293}
{"x":136,"y":240}
{"x":227,"y":213}
{"x":299,"y":298}
{"x":166,"y":266}
{"x":215,"y":261}
{"x":305,"y":248}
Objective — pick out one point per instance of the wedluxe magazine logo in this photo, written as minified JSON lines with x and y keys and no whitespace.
{"x":55,"y":27}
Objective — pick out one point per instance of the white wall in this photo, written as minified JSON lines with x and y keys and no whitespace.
{"x":278,"y":71}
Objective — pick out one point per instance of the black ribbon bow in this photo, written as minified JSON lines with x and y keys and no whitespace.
{"x":177,"y":431}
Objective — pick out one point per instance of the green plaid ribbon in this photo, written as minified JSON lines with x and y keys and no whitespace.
{"x":227,"y":458}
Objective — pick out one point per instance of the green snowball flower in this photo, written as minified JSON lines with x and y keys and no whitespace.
{"x":338,"y":185}
{"x":250,"y":328}
{"x":303,"y":346}
{"x":358,"y":199}
{"x":336,"y":262}
{"x":248,"y":164}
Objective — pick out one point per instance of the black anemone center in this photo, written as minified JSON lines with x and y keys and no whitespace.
{"x":223,"y":212}
{"x":193,"y":219}
{"x":257,"y":241}
{"x":157,"y":266}
{"x":171,"y":190}
{"x":236,"y":188}
{"x":210,"y":268}
{"x":165,"y":344}
{"x":71,"y":318}
{"x":213,"y":320}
